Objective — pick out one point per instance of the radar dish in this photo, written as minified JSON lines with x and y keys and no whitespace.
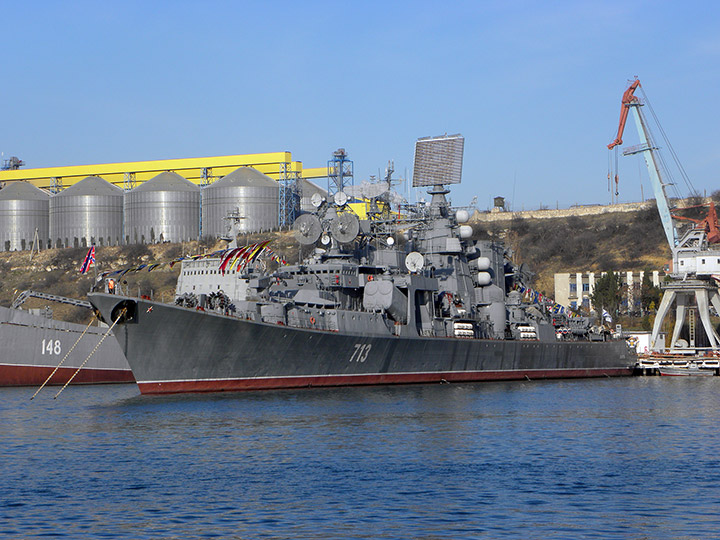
{"x":316,"y":200}
{"x":372,"y":190}
{"x":340,"y":198}
{"x":414,"y":261}
{"x":438,"y":160}
{"x":345,"y":227}
{"x":307,"y":229}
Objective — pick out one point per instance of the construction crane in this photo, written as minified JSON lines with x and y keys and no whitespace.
{"x":696,"y":265}
{"x":709,"y":223}
{"x":630,"y":102}
{"x":627,"y":99}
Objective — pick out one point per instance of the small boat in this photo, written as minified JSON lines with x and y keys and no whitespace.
{"x":690,"y":370}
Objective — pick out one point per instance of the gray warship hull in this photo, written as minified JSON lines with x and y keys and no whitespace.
{"x":32,"y":346}
{"x":175,"y":349}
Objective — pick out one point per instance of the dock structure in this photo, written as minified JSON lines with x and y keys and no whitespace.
{"x":655,"y":363}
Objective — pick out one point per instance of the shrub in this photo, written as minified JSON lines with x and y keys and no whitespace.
{"x":174,"y":252}
{"x":136,"y":252}
{"x":69,"y":258}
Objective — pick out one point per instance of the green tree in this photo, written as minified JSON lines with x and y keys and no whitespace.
{"x":649,"y":293}
{"x":608,"y":293}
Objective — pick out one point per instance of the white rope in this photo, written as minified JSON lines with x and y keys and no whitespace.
{"x":61,"y":361}
{"x":93,"y":352}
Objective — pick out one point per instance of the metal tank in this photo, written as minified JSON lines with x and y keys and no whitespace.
{"x":246,"y":190}
{"x":24,"y":209}
{"x":88,"y":212}
{"x":166,"y":208}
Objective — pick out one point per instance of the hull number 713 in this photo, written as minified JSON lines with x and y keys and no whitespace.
{"x":361,"y":352}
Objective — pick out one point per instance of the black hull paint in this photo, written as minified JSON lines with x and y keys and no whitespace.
{"x":174,"y":349}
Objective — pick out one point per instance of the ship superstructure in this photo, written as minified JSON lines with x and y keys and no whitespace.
{"x":407,"y":296}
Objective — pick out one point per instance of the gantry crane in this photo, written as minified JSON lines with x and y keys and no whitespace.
{"x":695,"y":262}
{"x":648,"y":149}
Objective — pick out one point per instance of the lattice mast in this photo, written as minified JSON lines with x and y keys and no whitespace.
{"x":339,"y":172}
{"x":289,"y":195}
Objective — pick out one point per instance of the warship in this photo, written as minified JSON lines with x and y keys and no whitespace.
{"x":34,"y":344}
{"x":405,"y":296}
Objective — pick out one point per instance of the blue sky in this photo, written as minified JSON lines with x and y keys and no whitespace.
{"x":534,"y":87}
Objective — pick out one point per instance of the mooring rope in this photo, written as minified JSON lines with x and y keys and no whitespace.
{"x":63,"y":360}
{"x":93,"y":351}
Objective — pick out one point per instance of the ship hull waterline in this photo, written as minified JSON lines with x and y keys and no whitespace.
{"x":173,"y":349}
{"x":32,"y":375}
{"x":34,"y":346}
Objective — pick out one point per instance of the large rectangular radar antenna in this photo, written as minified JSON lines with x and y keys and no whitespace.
{"x":438,"y":160}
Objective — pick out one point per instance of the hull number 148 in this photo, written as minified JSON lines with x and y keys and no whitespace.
{"x":50,"y":346}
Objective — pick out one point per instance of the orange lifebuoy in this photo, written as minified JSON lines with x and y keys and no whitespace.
{"x":312,"y":320}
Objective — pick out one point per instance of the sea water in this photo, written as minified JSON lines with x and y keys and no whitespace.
{"x":629,"y":458}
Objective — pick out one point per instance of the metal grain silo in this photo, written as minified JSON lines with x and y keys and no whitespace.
{"x":308,"y":190}
{"x":166,"y":208}
{"x":23,"y":209}
{"x":246,"y":190}
{"x":88,"y":212}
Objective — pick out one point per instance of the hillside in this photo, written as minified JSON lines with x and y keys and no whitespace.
{"x":619,"y":241}
{"x":604,"y":242}
{"x":56,"y":271}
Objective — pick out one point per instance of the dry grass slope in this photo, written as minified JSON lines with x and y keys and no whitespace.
{"x":56,"y":271}
{"x":623,"y":241}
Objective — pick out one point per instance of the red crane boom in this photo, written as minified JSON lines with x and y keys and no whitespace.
{"x":709,"y":224}
{"x":628,"y":97}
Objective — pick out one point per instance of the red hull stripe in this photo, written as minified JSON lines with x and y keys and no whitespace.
{"x":18,"y":375}
{"x":264,"y":383}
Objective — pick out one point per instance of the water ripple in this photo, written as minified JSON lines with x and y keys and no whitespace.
{"x":629,"y":458}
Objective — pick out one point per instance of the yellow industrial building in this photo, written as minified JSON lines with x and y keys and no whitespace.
{"x":204,"y":170}
{"x":27,"y":209}
{"x":200,"y":171}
